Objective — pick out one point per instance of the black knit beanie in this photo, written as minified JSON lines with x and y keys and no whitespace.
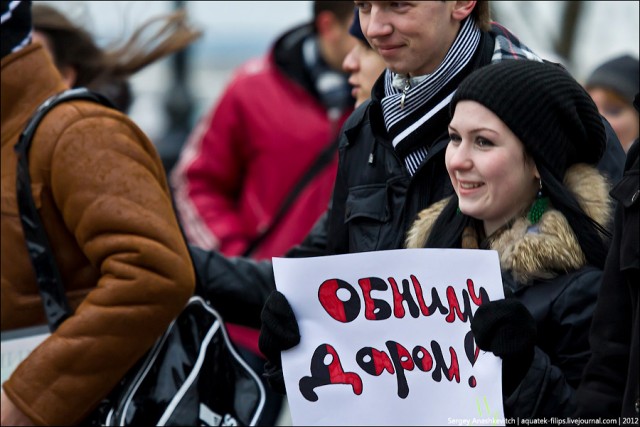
{"x":544,"y":106}
{"x":355,"y":30}
{"x":15,"y":25}
{"x":621,"y":75}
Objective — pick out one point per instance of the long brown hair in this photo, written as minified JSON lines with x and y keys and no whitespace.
{"x":109,"y":68}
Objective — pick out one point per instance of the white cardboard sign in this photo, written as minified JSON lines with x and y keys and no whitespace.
{"x":385,"y":338}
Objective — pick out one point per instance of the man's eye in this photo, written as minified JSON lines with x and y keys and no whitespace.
{"x":363,"y":6}
{"x":399,"y":4}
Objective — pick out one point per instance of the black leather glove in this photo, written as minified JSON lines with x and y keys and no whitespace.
{"x":279,"y":331}
{"x":506,"y":328}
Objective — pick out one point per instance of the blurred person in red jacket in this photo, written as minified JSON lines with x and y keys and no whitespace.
{"x":279,"y":114}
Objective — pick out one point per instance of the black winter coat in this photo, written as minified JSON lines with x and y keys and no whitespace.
{"x":611,"y":382}
{"x":562,"y":308}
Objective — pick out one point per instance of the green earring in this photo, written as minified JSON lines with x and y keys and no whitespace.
{"x":539,"y":207}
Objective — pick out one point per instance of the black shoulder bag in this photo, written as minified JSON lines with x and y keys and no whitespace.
{"x":191,"y":376}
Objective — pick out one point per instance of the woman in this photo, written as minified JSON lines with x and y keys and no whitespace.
{"x":101,"y":191}
{"x":525,"y":139}
{"x":363,"y":64}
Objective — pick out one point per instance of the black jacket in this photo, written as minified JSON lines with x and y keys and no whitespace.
{"x":611,"y":387}
{"x":562,"y":308}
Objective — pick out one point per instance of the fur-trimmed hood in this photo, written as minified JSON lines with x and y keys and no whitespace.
{"x":553,"y":247}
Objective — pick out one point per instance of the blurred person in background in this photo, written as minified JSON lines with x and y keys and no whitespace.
{"x":278,"y":115}
{"x":612,"y":85}
{"x":363,"y":64}
{"x":106,"y":207}
{"x":83,"y":63}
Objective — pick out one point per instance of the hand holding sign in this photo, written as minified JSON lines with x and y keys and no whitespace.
{"x":506,"y":328}
{"x":279,"y":332}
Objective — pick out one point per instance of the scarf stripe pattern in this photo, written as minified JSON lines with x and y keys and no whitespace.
{"x":429,"y":96}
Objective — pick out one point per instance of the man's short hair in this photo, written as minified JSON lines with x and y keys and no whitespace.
{"x":342,"y":9}
{"x":482,"y":15}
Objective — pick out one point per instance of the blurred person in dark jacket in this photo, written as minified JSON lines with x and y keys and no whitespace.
{"x":106,"y":207}
{"x":610,"y":386}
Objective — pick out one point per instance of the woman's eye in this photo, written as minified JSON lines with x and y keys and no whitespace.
{"x":455,"y":138}
{"x":482,"y":142}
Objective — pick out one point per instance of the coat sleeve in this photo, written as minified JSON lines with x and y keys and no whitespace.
{"x":238,"y":287}
{"x":207,"y":179}
{"x":108,"y":185}
{"x":549,"y":387}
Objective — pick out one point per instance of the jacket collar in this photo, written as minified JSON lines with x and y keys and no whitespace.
{"x":28,"y":78}
{"x":547,"y":250}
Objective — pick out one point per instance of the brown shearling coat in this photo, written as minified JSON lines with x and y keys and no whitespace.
{"x":102,"y":192}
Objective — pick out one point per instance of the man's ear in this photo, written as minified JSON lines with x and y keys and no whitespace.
{"x":325,"y":22}
{"x":462,"y":9}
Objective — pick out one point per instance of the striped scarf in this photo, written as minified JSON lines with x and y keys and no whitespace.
{"x":414,"y":122}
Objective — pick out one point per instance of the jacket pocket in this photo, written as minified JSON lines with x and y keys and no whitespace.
{"x":367,"y":210}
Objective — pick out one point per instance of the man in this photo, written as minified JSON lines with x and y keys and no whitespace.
{"x":279,"y":114}
{"x":391,"y":154}
{"x":275,"y":117}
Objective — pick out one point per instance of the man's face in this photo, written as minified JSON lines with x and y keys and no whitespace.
{"x":412,"y":37}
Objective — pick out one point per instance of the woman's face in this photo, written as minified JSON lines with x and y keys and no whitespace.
{"x":364,"y":66}
{"x":486,"y":162}
{"x":620,"y":114}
